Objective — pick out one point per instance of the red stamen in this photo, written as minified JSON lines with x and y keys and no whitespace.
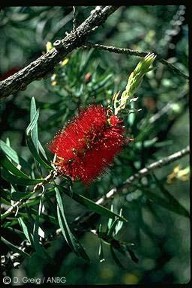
{"x":88,"y":144}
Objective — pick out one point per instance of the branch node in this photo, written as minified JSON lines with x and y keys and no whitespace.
{"x":58,"y":44}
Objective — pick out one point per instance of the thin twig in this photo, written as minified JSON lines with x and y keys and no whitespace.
{"x":82,"y":221}
{"x":158,"y":164}
{"x":19,"y":204}
{"x":141,"y":173}
{"x":167,"y":108}
{"x":46,"y":63}
{"x":103,"y":200}
{"x":74,"y":18}
{"x":136,"y":53}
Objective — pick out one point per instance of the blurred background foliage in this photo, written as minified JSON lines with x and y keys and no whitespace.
{"x":159,"y":231}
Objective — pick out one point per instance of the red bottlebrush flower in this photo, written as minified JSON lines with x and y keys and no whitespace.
{"x":88,"y":144}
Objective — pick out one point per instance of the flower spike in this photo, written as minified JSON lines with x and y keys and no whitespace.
{"x":88,"y":144}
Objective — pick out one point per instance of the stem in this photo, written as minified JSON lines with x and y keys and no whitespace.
{"x":114,"y":191}
{"x":52,"y":175}
{"x":46,"y":63}
{"x":141,"y":173}
{"x":138,"y":54}
{"x":87,"y":220}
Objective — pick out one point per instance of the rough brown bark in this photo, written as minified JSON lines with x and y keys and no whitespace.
{"x":46,"y":63}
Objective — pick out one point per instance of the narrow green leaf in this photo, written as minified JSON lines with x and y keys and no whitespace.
{"x":36,"y":153}
{"x":41,"y":251}
{"x":34,"y":130}
{"x":132,"y":255}
{"x":33,"y":109}
{"x":101,"y":254}
{"x":125,"y":250}
{"x":112,"y":228}
{"x":9,"y":152}
{"x":68,"y":235}
{"x":7,"y":164}
{"x":65,"y":226}
{"x":115,"y":258}
{"x":70,"y":238}
{"x":41,"y":150}
{"x":38,"y":247}
{"x":92,"y":205}
{"x":14,"y":248}
{"x":109,"y":223}
{"x":16,"y":196}
{"x":32,"y":123}
{"x":12,"y":154}
{"x":15,"y":231}
{"x":13,"y":179}
{"x":37,"y":224}
{"x":62,"y":225}
{"x":4,"y":201}
{"x":98,"y":87}
{"x":46,"y":218}
{"x":171,"y":199}
{"x":173,"y":206}
{"x":32,"y":137}
{"x":118,"y":226}
{"x":51,"y":207}
{"x":25,"y":230}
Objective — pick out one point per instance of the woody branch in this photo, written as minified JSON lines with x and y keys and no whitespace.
{"x":114,"y":191}
{"x":46,"y":63}
{"x":80,"y":222}
{"x":137,"y":54}
{"x":141,"y":173}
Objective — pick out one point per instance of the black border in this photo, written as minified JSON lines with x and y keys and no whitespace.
{"x":188,"y":4}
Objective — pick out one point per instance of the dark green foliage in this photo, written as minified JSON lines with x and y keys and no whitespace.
{"x":140,"y":236}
